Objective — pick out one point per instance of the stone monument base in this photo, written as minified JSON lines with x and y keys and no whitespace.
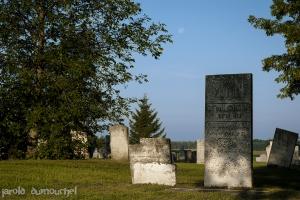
{"x":262,"y":158}
{"x":153,"y":173}
{"x":151,"y":162}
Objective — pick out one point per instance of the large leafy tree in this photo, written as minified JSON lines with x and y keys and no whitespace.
{"x":286,"y":22}
{"x":145,"y":123}
{"x":62,"y":62}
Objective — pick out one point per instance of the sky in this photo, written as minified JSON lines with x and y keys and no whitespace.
{"x":211,"y":37}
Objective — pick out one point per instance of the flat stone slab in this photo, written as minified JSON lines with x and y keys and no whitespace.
{"x":151,"y":162}
{"x":153,"y":173}
{"x":282,"y":149}
{"x":262,"y":158}
{"x":228,"y":131}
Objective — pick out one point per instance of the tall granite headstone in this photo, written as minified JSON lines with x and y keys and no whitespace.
{"x":282,"y":149}
{"x":228,"y":131}
{"x":119,"y":142}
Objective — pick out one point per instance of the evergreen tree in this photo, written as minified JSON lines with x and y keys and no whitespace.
{"x":62,"y":64}
{"x":145,"y":123}
{"x":287,"y":24}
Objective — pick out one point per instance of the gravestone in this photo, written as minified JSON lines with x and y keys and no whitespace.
{"x":119,"y":142}
{"x":98,"y":153}
{"x":188,"y":155}
{"x":177,"y":155}
{"x":282,"y":149}
{"x":262,"y":157}
{"x":296,"y":156}
{"x":268,"y":149}
{"x":181,"y":155}
{"x":151,"y":162}
{"x":174,"y":157}
{"x":194,"y":156}
{"x":228,"y":131}
{"x":200,"y":151}
{"x":265,"y":155}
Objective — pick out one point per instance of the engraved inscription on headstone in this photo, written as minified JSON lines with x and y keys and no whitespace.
{"x":282,"y":149}
{"x":228,"y":131}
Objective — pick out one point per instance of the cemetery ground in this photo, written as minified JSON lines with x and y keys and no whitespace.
{"x":106,"y":179}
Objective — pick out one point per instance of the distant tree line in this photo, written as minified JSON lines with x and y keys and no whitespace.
{"x":260,"y":145}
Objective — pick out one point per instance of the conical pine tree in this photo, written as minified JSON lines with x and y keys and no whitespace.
{"x":145,"y":123}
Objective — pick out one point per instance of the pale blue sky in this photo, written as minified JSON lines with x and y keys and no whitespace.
{"x":211,"y":37}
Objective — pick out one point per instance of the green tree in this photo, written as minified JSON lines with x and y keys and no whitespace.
{"x":287,"y":24}
{"x":62,"y":64}
{"x":145,"y":123}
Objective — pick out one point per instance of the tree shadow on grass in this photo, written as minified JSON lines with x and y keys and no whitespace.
{"x":282,"y":195}
{"x":274,"y":183}
{"x":277,"y":177}
{"x":269,"y":183}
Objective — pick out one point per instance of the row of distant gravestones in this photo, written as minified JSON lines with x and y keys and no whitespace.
{"x":228,"y":140}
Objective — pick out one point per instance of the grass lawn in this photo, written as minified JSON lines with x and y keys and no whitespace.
{"x":105,"y":179}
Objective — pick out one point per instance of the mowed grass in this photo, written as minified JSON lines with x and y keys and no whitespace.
{"x":106,"y":179}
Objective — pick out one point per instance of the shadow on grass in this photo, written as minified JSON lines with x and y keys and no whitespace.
{"x":282,"y":195}
{"x":277,"y":177}
{"x":269,"y":183}
{"x":274,"y":183}
{"x":199,"y":184}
